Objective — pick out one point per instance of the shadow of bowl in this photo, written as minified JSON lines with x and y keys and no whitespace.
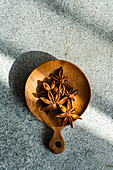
{"x":22,"y":68}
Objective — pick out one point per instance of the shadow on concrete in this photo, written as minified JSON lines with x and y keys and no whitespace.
{"x":9,"y":48}
{"x":47,"y":135}
{"x":102,"y":104}
{"x":19,"y":73}
{"x":21,"y":69}
{"x":77,"y":16}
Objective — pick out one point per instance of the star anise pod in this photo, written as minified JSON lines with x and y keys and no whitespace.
{"x":48,"y":88}
{"x":61,"y":80}
{"x":52,"y":102}
{"x":52,"y":88}
{"x":42,"y":93}
{"x":71,"y":94}
{"x":68,"y":114}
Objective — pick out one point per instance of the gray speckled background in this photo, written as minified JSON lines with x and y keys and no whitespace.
{"x":35,"y":31}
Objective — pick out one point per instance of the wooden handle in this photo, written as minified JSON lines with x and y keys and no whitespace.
{"x":57,"y":143}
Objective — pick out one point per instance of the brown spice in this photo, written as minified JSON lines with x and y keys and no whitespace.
{"x":57,"y":94}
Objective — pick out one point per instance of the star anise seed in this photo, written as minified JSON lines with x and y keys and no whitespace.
{"x":52,"y":88}
{"x":48,"y":88}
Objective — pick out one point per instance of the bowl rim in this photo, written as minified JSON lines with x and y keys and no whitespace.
{"x":74,"y":66}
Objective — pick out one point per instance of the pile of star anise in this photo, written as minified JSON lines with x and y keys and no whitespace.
{"x":59,"y":98}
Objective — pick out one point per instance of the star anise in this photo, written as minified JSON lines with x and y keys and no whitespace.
{"x":71,"y":94}
{"x":52,"y":102}
{"x":61,"y":80}
{"x":48,"y":88}
{"x":68,"y":114}
{"x":52,"y":88}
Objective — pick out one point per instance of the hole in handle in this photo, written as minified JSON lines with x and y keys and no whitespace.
{"x":58,"y":144}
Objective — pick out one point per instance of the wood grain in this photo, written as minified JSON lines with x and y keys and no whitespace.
{"x":76,"y":79}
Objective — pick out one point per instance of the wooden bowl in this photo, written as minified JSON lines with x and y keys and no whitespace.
{"x":76,"y":79}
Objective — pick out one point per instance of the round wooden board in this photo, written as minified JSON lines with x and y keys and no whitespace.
{"x":76,"y":79}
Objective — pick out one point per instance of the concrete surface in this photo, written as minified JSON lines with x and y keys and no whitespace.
{"x":35,"y":31}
